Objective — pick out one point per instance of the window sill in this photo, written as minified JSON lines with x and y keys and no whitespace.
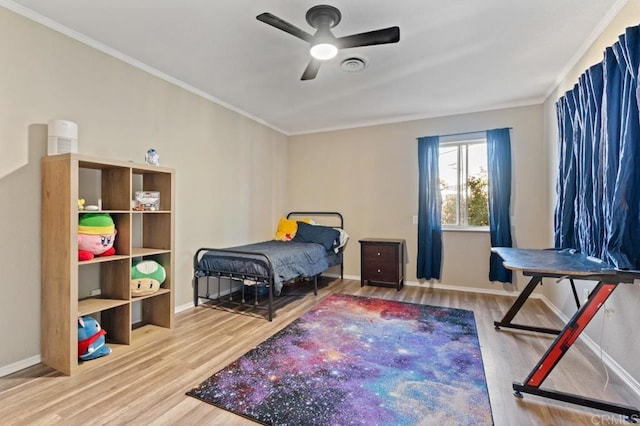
{"x":483,"y":229}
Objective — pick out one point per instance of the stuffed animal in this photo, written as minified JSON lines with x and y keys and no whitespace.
{"x":146,"y":277}
{"x":91,"y":341}
{"x":96,"y":235}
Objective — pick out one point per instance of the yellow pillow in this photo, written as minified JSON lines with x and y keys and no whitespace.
{"x":286,"y":229}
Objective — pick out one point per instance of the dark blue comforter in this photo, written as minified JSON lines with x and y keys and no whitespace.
{"x":289,"y":259}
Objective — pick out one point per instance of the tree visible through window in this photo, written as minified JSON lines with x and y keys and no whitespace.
{"x":464,"y":183}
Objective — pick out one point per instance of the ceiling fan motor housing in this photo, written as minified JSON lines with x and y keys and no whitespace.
{"x":323,"y":15}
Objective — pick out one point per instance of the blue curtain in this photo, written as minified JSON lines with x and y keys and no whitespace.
{"x":429,"y":209}
{"x":598,"y":186}
{"x":499,"y":168}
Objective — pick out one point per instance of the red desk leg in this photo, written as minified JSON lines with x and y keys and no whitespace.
{"x":560,"y":346}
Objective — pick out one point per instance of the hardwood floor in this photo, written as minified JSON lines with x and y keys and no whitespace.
{"x":147,"y":385}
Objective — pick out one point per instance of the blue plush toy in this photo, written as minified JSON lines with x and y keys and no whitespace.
{"x":91,"y":341}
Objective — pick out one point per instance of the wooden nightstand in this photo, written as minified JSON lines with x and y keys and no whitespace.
{"x":382,"y":261}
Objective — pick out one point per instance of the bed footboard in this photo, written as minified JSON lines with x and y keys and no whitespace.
{"x":265,"y":277}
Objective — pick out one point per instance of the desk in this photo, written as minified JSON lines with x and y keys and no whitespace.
{"x":539,"y":264}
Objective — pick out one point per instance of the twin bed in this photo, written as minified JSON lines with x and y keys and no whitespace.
{"x":255,"y":273}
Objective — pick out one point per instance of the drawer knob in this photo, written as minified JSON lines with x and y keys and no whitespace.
{"x":378,"y":270}
{"x":378,"y":253}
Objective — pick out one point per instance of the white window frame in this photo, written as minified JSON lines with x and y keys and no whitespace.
{"x":463,"y":140}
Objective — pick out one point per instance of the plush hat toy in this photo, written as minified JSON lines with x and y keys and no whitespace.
{"x":96,"y":235}
{"x":91,"y":341}
{"x":146,"y":277}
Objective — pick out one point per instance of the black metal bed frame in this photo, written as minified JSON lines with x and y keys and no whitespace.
{"x":264,"y":279}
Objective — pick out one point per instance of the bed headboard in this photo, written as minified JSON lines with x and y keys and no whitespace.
{"x":331,"y":214}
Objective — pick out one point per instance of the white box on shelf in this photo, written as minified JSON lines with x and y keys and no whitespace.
{"x":147,"y":200}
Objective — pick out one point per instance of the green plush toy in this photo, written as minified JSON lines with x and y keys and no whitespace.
{"x":146,"y":277}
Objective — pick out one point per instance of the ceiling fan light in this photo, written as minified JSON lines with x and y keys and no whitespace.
{"x":323,"y":51}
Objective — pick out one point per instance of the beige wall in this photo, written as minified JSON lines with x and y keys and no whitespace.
{"x":615,"y":334}
{"x":230,"y":170}
{"x":370,"y":174}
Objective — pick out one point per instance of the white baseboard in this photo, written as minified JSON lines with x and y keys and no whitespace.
{"x":184,"y":307}
{"x":17,"y":366}
{"x":346,"y":277}
{"x":439,"y":286}
{"x":491,"y":291}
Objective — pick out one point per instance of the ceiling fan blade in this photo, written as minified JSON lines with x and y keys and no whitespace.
{"x":383,"y":36}
{"x":312,"y":70}
{"x":283,"y":25}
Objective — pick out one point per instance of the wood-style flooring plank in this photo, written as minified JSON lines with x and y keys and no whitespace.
{"x":147,"y":385}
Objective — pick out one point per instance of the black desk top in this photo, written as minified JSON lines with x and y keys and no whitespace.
{"x":554,"y":262}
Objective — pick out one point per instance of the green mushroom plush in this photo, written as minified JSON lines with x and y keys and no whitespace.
{"x":146,"y":277}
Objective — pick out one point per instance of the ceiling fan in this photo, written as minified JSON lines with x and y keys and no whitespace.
{"x":323,"y":44}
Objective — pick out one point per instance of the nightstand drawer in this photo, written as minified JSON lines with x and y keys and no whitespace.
{"x":380,"y":252}
{"x":381,"y":272}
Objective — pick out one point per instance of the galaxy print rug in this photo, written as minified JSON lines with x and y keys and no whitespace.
{"x":360,"y":361}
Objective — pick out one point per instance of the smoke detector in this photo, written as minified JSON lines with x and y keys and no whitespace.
{"x":353,"y":64}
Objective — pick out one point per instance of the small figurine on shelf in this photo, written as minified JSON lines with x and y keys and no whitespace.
{"x":91,"y":341}
{"x":81,"y":204}
{"x":96,"y":235}
{"x":152,"y":157}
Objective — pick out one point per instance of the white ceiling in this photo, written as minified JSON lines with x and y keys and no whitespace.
{"x":453,"y":56}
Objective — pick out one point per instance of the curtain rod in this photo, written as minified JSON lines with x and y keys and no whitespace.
{"x":469,"y":133}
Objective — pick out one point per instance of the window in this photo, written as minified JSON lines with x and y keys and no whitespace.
{"x":464,"y":184}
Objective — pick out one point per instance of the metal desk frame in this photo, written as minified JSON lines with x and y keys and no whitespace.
{"x":539,"y":264}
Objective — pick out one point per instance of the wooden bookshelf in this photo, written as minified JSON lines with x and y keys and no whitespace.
{"x":140,"y":235}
